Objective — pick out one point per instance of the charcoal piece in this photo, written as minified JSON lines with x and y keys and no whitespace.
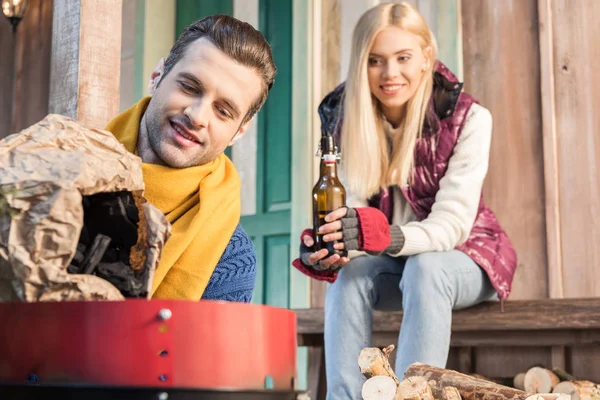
{"x":129,"y":282}
{"x":79,"y":254}
{"x":95,"y":253}
{"x":112,"y":255}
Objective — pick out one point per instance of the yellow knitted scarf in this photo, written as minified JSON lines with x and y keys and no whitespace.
{"x":203,"y":205}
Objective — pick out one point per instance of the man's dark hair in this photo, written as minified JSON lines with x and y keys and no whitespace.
{"x":239,"y":40}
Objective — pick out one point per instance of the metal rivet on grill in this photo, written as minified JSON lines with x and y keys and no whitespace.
{"x":162,"y":396}
{"x":165,"y":314}
{"x":32,"y":378}
{"x":162,"y":378}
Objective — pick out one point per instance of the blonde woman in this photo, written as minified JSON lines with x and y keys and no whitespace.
{"x":415,"y":152}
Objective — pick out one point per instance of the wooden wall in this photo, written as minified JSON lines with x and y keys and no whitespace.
{"x":543,"y":182}
{"x":25,"y":68}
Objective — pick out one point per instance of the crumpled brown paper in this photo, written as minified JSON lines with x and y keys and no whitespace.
{"x":44,"y":172}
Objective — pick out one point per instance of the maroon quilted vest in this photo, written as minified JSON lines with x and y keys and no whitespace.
{"x":488,"y":245}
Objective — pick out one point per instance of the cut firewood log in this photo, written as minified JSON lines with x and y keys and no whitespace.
{"x":469,"y":388}
{"x":519,"y":381}
{"x":375,"y":362}
{"x":540,"y":380}
{"x":563,"y":375}
{"x":549,"y":396}
{"x":380,"y":388}
{"x":478,"y":376}
{"x":579,"y":390}
{"x":415,"y":388}
{"x":451,"y":393}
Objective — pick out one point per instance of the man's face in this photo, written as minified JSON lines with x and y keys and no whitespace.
{"x":198,"y":108}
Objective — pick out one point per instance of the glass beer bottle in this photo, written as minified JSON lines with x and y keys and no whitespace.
{"x":328,"y":193}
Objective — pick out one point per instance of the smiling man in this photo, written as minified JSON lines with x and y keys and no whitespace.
{"x":216,"y":78}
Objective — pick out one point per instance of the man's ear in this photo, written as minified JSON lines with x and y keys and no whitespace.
{"x":156,"y":76}
{"x":241,"y":131}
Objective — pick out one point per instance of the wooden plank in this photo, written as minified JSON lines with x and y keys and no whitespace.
{"x":465,"y":359}
{"x":159,"y":34}
{"x":128,"y":53}
{"x":545,"y":314}
{"x":99,"y":62}
{"x":510,"y":90}
{"x":86,"y":57}
{"x":317,"y":383}
{"x":558,"y":356}
{"x":584,"y":363}
{"x":577,"y":124}
{"x":331,"y":45}
{"x":553,"y":242}
{"x":64,"y":72}
{"x":454,"y":359}
{"x":7,"y":65}
{"x":32,"y":65}
{"x":506,"y":362}
{"x":576,"y":85}
{"x":526,"y":338}
{"x":478,"y":340}
{"x":550,"y":140}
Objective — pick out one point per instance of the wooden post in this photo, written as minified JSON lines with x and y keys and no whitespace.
{"x":86,"y":60}
{"x":551,"y":179}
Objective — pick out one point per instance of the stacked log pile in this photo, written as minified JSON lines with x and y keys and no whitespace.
{"x":557,"y":381}
{"x":426,"y":382}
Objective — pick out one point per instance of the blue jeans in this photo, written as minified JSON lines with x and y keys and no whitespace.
{"x":427,"y":287}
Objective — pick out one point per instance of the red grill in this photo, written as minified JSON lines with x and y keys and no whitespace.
{"x":181,"y":348}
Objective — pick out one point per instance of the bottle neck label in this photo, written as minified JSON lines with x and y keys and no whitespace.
{"x":329,"y":158}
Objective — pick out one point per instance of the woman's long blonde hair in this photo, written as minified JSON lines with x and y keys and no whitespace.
{"x":369,"y":164}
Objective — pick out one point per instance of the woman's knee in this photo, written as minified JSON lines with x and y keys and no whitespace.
{"x":425,"y":275}
{"x":356,"y":272}
{"x":355,"y":279}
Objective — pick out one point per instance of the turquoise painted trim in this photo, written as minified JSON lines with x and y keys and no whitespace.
{"x":140,"y":24}
{"x":302,"y":143}
{"x":189,"y":11}
{"x":302,"y":159}
{"x":275,"y":21}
